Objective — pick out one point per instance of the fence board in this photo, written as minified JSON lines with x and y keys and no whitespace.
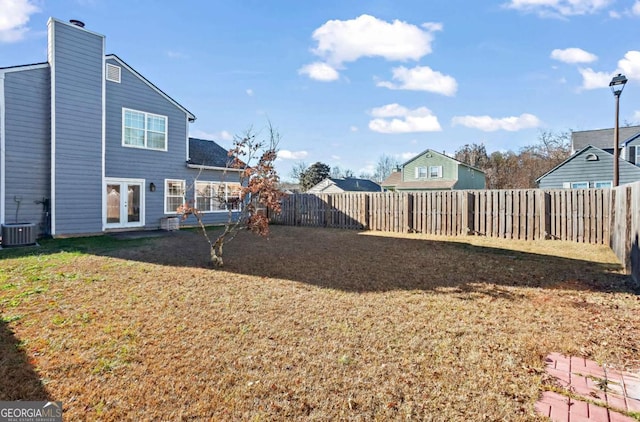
{"x":567,"y":214}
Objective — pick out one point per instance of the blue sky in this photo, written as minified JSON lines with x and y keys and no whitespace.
{"x":345,"y":82}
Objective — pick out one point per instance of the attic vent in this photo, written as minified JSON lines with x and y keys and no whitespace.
{"x":113,"y":73}
{"x":591,"y":157}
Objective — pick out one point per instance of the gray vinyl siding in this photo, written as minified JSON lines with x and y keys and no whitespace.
{"x":27,"y":146}
{"x":77,"y":78}
{"x":578,"y":169}
{"x":151,"y":165}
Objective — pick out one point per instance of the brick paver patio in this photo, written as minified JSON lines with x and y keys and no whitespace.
{"x":606,"y":391}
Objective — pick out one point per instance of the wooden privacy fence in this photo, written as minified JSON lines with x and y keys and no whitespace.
{"x":580,"y":215}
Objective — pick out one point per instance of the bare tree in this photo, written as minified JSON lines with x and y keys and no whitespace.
{"x":384,"y":167}
{"x":258,"y":191}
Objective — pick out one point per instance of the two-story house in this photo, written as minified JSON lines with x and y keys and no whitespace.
{"x":431,"y":170}
{"x":88,"y":144}
{"x":591,"y":162}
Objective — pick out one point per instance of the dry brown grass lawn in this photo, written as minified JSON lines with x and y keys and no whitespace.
{"x":309,"y":324}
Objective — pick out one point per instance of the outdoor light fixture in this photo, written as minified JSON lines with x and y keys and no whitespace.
{"x":152,"y":187}
{"x":617,"y":85}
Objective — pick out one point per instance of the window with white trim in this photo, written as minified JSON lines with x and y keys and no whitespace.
{"x":174,"y":191}
{"x":435,"y":171}
{"x":421,"y":172}
{"x":579,"y":185}
{"x":144,"y":130}
{"x":217,"y":196}
{"x":600,"y":185}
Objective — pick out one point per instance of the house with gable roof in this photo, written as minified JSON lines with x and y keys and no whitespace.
{"x":345,"y":184}
{"x":89,"y":145}
{"x":591,"y":162}
{"x":431,"y":170}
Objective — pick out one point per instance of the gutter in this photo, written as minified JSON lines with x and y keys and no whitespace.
{"x":203,"y":167}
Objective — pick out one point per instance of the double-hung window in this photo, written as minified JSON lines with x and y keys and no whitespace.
{"x":421,"y":172}
{"x":144,"y":130}
{"x":174,"y":191}
{"x":217,"y":196}
{"x":579,"y":185}
{"x":435,"y":171}
{"x":601,"y":185}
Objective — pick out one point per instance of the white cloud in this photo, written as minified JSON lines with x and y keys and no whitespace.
{"x":614,"y":15}
{"x":573,"y":55}
{"x":636,"y":8}
{"x":14,"y":18}
{"x":285,"y":154}
{"x":343,"y":41}
{"x":335,"y":157}
{"x":630,"y":65}
{"x":636,"y":116}
{"x":319,"y":71}
{"x":353,"y":128}
{"x":176,"y":55}
{"x":421,"y":78}
{"x":405,"y":156}
{"x":492,"y":124}
{"x":249,"y":92}
{"x":394,"y":118}
{"x":223,"y":135}
{"x":594,"y":80}
{"x":558,"y":8}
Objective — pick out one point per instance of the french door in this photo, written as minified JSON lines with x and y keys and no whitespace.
{"x":124,"y":203}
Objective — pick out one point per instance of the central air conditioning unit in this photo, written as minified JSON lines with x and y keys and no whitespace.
{"x":20,"y":234}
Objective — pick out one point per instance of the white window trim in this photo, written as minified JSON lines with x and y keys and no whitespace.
{"x":603,"y":181}
{"x":166,"y":196}
{"x":576,"y":183}
{"x":166,"y":130}
{"x":637,"y":155}
{"x":226,"y":195}
{"x":439,"y":176}
{"x":426,"y":172}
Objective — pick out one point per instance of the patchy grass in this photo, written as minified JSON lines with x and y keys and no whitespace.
{"x":308,"y":324}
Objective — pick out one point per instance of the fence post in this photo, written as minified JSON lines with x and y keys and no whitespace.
{"x":468,"y":213}
{"x":408,"y":206}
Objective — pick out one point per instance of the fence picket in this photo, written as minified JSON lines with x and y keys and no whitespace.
{"x":575,"y":215}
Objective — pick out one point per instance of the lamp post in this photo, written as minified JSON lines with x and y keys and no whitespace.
{"x":617,"y":85}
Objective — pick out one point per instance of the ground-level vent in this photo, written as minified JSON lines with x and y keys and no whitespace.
{"x":19,"y":234}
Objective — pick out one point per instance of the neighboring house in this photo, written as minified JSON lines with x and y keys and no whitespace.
{"x":431,"y":170}
{"x":591,"y":162}
{"x":88,"y":145}
{"x":348,"y":184}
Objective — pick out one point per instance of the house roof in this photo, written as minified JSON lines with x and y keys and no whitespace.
{"x":580,"y":153}
{"x":395,"y":180}
{"x":442,"y":155}
{"x":190,"y":115}
{"x":207,"y":153}
{"x":352,"y":184}
{"x":602,"y":138}
{"x":23,"y":67}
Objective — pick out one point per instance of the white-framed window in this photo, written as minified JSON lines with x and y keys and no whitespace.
{"x":144,"y":130}
{"x":217,"y":196}
{"x":435,"y":171}
{"x":637,"y":148}
{"x":579,"y":185}
{"x":421,"y":172}
{"x":174,"y":191}
{"x":113,"y":73}
{"x":600,"y":185}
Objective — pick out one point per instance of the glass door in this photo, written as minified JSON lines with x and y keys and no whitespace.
{"x":124,"y":203}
